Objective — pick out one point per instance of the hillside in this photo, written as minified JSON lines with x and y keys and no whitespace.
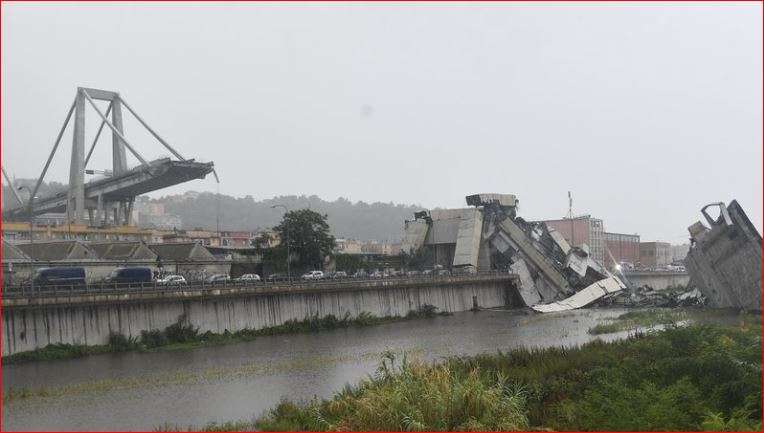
{"x":359,"y":220}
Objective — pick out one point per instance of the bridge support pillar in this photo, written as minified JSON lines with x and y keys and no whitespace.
{"x":118,"y":158}
{"x":75,"y":207}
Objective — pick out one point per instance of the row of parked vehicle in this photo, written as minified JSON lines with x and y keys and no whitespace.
{"x":390,"y":273}
{"x":75,"y":276}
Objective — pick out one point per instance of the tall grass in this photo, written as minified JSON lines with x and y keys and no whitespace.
{"x":694,"y":378}
{"x":410,"y":396}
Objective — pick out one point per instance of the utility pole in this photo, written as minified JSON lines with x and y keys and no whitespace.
{"x":572,"y":223}
{"x":286,"y":232}
{"x":217,"y":214}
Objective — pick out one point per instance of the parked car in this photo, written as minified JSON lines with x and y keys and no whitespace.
{"x":427,"y":272}
{"x":248,"y":278}
{"x":413,"y":273}
{"x":339,"y":275}
{"x":217,"y":279}
{"x":131,"y":275}
{"x":360,"y":274}
{"x":313,"y":275}
{"x":443,"y":272}
{"x":626,"y":266}
{"x":60,"y":276}
{"x":172,"y":280}
{"x":376,"y":274}
{"x":465,"y":270}
{"x":272,"y":278}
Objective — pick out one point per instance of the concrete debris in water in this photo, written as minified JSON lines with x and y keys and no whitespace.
{"x":646,"y":296}
{"x":724,"y":261}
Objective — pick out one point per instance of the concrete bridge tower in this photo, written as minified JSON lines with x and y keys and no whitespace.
{"x":107,"y":201}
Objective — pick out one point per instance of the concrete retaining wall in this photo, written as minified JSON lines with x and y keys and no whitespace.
{"x":27,"y":327}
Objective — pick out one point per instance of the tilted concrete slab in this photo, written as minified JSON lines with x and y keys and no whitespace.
{"x":468,"y":239}
{"x":725,"y":260}
{"x":536,"y":258}
{"x":413,"y":236}
{"x":584,"y":297}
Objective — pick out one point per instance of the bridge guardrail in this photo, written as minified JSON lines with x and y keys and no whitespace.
{"x":27,"y":291}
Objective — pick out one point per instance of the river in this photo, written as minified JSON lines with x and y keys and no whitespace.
{"x":140,"y":391}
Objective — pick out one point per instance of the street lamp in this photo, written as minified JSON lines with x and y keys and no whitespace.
{"x":30,"y":203}
{"x":286,"y":232}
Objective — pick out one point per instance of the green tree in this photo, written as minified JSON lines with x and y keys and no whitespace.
{"x":308,"y":235}
{"x":349,"y":262}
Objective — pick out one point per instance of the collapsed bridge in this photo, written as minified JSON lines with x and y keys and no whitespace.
{"x":107,"y":200}
{"x":490,"y":236}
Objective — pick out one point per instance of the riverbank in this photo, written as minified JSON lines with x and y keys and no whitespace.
{"x":183,"y":336}
{"x":640,"y":319}
{"x":699,"y":377}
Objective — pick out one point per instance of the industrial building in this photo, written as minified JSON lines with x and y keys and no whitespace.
{"x":580,"y":230}
{"x":123,"y":251}
{"x":621,"y":248}
{"x":191,"y":260}
{"x":653,"y":255}
{"x":58,"y":251}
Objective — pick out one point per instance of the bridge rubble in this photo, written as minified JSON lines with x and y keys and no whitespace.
{"x":724,"y":261}
{"x":553,"y":275}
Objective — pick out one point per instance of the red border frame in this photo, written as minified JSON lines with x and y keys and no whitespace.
{"x":297,"y":1}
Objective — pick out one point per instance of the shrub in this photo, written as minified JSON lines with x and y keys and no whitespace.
{"x":424,"y":310}
{"x":153,"y":338}
{"x":121,"y":343}
{"x":181,"y":331}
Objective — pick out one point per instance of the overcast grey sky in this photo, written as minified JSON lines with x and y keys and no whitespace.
{"x":646,"y":112}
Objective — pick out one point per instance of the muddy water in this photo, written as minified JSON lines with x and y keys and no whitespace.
{"x":140,"y":391}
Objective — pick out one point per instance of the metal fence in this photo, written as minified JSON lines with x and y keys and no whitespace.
{"x":29,"y":291}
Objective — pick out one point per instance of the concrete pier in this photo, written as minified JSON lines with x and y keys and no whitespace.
{"x":89,"y":318}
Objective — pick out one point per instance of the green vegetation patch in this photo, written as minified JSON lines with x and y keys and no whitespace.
{"x":639,"y":319}
{"x":700,"y":377}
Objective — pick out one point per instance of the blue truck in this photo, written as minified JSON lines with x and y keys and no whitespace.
{"x":67,"y":277}
{"x":130,"y":276}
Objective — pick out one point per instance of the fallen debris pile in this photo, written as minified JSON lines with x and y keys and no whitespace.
{"x":646,"y":296}
{"x":554,"y":276}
